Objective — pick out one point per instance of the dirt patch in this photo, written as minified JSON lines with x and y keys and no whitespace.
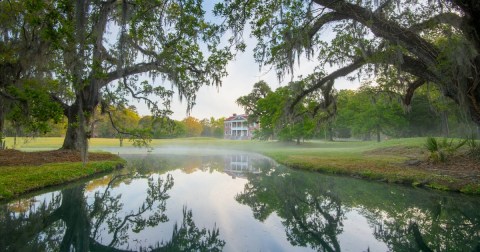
{"x":461,"y":166}
{"x":405,"y":151}
{"x":18,"y":158}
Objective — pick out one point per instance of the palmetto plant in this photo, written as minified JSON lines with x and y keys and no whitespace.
{"x":441,"y":150}
{"x":473,"y":147}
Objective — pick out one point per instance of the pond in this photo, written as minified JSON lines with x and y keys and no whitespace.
{"x":175,"y":199}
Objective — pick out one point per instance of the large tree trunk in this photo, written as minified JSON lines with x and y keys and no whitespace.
{"x":79,"y":120}
{"x":78,"y":113}
{"x":76,"y":135}
{"x":71,"y":136}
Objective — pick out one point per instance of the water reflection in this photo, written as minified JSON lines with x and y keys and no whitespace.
{"x":238,"y":165}
{"x":311,"y":215}
{"x":257,"y":205}
{"x":160,"y":164}
{"x":71,"y":221}
{"x":315,"y":209}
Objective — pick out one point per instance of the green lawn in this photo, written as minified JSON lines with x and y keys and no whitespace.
{"x":383,"y":161}
{"x":17,"y":180}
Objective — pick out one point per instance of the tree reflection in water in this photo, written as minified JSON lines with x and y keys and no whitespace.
{"x":312,"y":215}
{"x":314,"y":208}
{"x":68,"y":222}
{"x":433,"y":224}
{"x":188,"y":237}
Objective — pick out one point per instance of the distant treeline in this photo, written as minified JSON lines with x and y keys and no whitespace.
{"x":125,"y":120}
{"x":363,"y":114}
{"x":368,"y":113}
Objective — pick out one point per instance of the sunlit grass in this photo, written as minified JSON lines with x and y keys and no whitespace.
{"x":17,"y":180}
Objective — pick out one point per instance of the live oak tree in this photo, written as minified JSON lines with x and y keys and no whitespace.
{"x":30,"y":109}
{"x":423,"y":41}
{"x":260,"y":90}
{"x":267,"y":107}
{"x":102,"y":48}
{"x":24,"y":64}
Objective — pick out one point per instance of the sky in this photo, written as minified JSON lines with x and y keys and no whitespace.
{"x":243,"y":73}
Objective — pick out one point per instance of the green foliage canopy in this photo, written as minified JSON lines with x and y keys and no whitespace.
{"x":422,"y":41}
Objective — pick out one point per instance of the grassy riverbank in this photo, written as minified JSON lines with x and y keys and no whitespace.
{"x":22,"y":172}
{"x":396,"y":161}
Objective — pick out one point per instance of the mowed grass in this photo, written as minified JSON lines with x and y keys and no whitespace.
{"x":313,"y":146}
{"x":21,"y":179}
{"x":17,"y":180}
{"x":384,"y":161}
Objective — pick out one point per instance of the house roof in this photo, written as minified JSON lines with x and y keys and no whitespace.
{"x":237,"y":117}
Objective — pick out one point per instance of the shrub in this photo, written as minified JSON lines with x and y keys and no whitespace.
{"x":473,"y":147}
{"x":440,"y":151}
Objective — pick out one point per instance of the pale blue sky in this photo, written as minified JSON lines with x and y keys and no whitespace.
{"x":243,"y":73}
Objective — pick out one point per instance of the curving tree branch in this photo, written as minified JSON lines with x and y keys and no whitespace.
{"x":356,"y":64}
{"x":408,"y":64}
{"x":384,"y":28}
{"x":412,"y":86}
{"x":451,"y":19}
{"x":323,"y":20}
{"x":132,"y":70}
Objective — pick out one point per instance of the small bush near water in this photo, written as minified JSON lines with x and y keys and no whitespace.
{"x":441,"y":150}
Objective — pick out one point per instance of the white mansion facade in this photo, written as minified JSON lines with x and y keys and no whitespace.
{"x":237,"y":127}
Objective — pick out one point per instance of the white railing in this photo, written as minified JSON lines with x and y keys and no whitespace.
{"x":239,"y":128}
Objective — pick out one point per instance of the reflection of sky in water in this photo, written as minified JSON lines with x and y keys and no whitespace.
{"x":211,"y":195}
{"x":212,"y":199}
{"x":357,"y":234}
{"x":27,"y":205}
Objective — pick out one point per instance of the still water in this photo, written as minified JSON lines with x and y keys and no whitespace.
{"x":211,"y":200}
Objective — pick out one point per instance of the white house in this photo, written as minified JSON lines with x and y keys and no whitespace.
{"x":237,"y":127}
